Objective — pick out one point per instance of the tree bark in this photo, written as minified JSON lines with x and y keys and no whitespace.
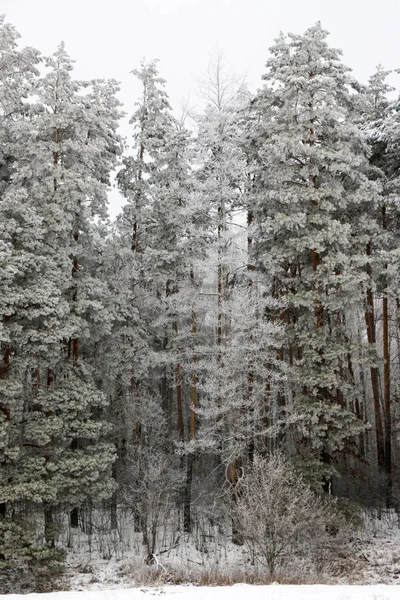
{"x":250,"y":367}
{"x":4,"y":408}
{"x":74,"y":345}
{"x":386,"y":380}
{"x":135,"y":245}
{"x":371,"y":336}
{"x":49,"y":533}
{"x":178,"y":383}
{"x":187,"y":516}
{"x":387,"y":402}
{"x":114,"y":499}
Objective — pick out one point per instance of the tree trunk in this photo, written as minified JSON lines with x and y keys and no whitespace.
{"x":74,"y":518}
{"x":250,"y":366}
{"x":4,"y":408}
{"x":318,"y":308}
{"x":187,"y":517}
{"x":114,"y":499}
{"x":386,"y":380}
{"x":74,"y":514}
{"x":234,"y":470}
{"x":75,"y":271}
{"x":74,"y":345}
{"x":5,"y":363}
{"x":221,"y":280}
{"x":178,"y":383}
{"x":135,"y":245}
{"x":49,"y":532}
{"x":371,"y":336}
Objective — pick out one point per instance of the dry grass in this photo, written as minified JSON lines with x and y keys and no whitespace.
{"x":145,"y":575}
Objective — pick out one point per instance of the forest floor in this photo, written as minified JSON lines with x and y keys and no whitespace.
{"x":372,"y":557}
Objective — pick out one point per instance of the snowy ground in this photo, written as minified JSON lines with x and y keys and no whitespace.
{"x":236,"y":592}
{"x":374,"y":558}
{"x":111,"y":566}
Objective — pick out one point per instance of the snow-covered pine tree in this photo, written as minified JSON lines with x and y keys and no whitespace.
{"x":158,"y":226}
{"x":312,"y":208}
{"x":19,"y":242}
{"x":18,"y":70}
{"x":61,"y":456}
{"x":80,"y":121}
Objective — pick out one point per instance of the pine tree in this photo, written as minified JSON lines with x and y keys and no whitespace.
{"x":18,"y":70}
{"x":59,"y":455}
{"x":312,"y":207}
{"x":158,"y":222}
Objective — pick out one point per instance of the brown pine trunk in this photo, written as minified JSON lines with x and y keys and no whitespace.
{"x":4,"y":408}
{"x":49,"y":531}
{"x":233,"y":473}
{"x":74,"y":514}
{"x":371,"y":336}
{"x":315,"y":259}
{"x":50,"y":377}
{"x":187,"y":517}
{"x":75,"y":271}
{"x":114,"y":500}
{"x":387,"y":403}
{"x":318,"y":308}
{"x":270,"y":408}
{"x":5,"y":363}
{"x":178,"y":383}
{"x":74,"y":346}
{"x":250,"y":368}
{"x":219,"y":318}
{"x":386,"y":380}
{"x":281,"y":399}
{"x":138,"y":518}
{"x":135,"y":245}
{"x":74,"y":518}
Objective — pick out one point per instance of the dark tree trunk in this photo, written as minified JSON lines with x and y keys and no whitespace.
{"x":187,"y":495}
{"x":74,"y":518}
{"x":113,"y":503}
{"x":371,"y":336}
{"x":178,"y":383}
{"x":4,"y":408}
{"x":234,"y":470}
{"x":49,"y":532}
{"x":187,"y":516}
{"x":386,"y":380}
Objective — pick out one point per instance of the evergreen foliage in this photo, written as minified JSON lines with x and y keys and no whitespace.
{"x":243,"y":307}
{"x":313,"y":207}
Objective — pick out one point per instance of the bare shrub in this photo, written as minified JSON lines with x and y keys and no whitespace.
{"x":151,"y":495}
{"x":278,"y":513}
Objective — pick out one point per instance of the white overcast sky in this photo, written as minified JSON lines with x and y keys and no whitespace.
{"x":108,"y":38}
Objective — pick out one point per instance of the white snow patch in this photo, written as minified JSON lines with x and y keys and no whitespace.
{"x":236,"y":592}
